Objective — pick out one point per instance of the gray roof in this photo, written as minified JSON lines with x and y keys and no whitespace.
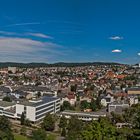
{"x":6,"y":104}
{"x":88,"y":114}
{"x":5,"y":89}
{"x":119,"y":103}
{"x":33,"y":88}
{"x":38,"y":102}
{"x":134,"y":89}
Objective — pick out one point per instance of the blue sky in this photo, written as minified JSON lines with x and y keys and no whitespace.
{"x":70,"y":31}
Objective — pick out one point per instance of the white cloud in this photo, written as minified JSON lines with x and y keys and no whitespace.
{"x":116,"y":51}
{"x":40,"y":35}
{"x":27,"y":50}
{"x":139,"y":54}
{"x":7,"y":33}
{"x":116,"y":38}
{"x":23,"y":24}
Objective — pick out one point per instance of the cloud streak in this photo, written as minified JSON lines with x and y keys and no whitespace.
{"x":40,"y":35}
{"x":23,"y":24}
{"x":27,"y":50}
{"x":116,"y":38}
{"x":7,"y":33}
{"x":116,"y":51}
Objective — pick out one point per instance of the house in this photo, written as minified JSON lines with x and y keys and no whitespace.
{"x":71,"y":98}
{"x":118,"y":107}
{"x":5,"y":90}
{"x":107,"y":100}
{"x":133,"y":100}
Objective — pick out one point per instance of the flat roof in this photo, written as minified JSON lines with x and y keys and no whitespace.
{"x":86,"y":114}
{"x":39,"y":102}
{"x":6,"y":104}
{"x":134,"y":89}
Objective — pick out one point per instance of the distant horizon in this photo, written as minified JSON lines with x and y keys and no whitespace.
{"x":68,"y":62}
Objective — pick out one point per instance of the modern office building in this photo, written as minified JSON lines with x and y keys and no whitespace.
{"x":34,"y":110}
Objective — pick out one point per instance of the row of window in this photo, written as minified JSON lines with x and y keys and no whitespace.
{"x":19,"y":115}
{"x":43,"y":115}
{"x":58,"y":101}
{"x":8,"y":113}
{"x":44,"y":110}
{"x":44,"y":106}
{"x":57,"y":107}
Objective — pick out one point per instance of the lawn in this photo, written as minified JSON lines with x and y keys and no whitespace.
{"x":20,"y":137}
{"x":51,"y":137}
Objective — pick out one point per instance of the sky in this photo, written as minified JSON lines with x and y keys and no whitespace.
{"x":70,"y":31}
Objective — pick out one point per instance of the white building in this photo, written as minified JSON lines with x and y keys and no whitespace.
{"x":7,"y":109}
{"x":107,"y":100}
{"x":84,"y":116}
{"x":133,"y":100}
{"x":34,"y":110}
{"x":12,"y":69}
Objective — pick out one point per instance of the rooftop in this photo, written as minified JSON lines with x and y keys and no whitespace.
{"x":6,"y":104}
{"x":38,"y":102}
{"x":98,"y":113}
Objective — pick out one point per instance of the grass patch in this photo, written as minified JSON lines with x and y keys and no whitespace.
{"x":20,"y":137}
{"x":51,"y":137}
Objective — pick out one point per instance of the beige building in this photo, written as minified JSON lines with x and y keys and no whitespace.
{"x":134,"y":91}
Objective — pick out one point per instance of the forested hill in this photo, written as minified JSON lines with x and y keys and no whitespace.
{"x":60,"y":64}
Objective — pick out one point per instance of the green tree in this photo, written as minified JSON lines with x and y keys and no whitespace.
{"x":63,"y":125}
{"x":117,"y":118}
{"x":22,"y":119}
{"x":23,"y":131}
{"x":73,"y":88}
{"x":93,"y":105}
{"x":48,"y":122}
{"x":39,"y":134}
{"x":63,"y":133}
{"x":39,"y":94}
{"x":5,"y":124}
{"x":7,"y":98}
{"x":84,"y":105}
{"x":125,"y":134}
{"x":5,"y":129}
{"x":136,"y":120}
{"x":3,"y":135}
{"x":66,"y":106}
{"x":75,"y":127}
{"x":99,"y":130}
{"x":27,"y":122}
{"x":63,"y":122}
{"x":1,"y":82}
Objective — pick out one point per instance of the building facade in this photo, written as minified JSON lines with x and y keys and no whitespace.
{"x":34,"y":110}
